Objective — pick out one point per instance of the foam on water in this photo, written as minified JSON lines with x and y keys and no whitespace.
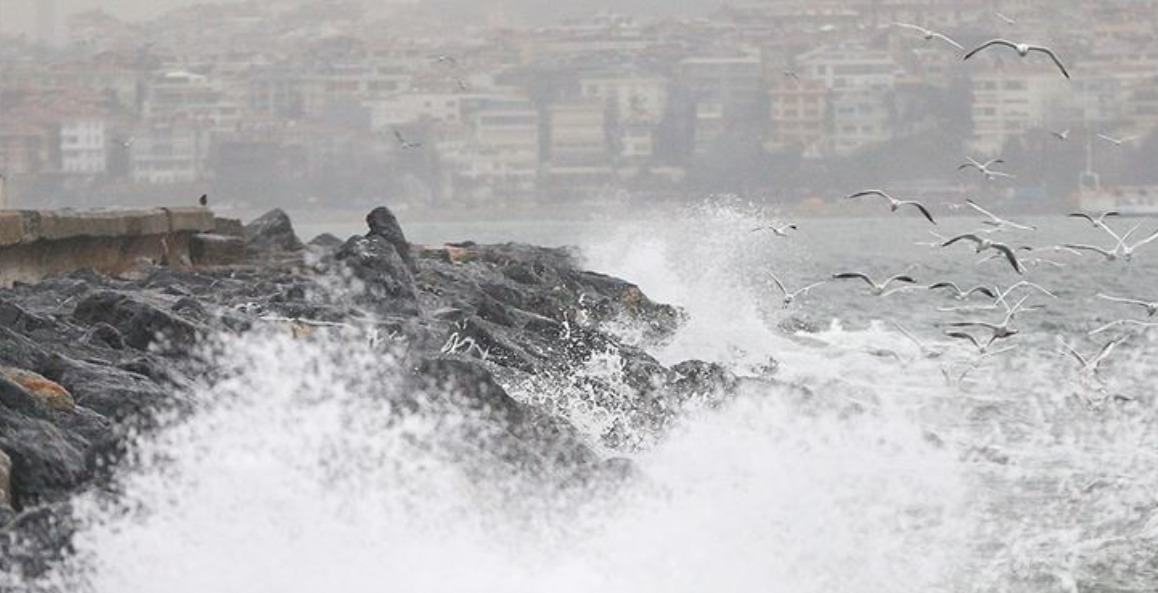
{"x":862,"y":469}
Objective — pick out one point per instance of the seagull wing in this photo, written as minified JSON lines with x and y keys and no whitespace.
{"x":1077,"y":355}
{"x":964,"y":336}
{"x":811,"y":286}
{"x":852,"y":275}
{"x":919,"y":206}
{"x":1097,"y":250}
{"x":983,"y":211}
{"x":985,"y":290}
{"x":869,"y":192}
{"x":965,"y":237}
{"x":1009,"y":255}
{"x":984,"y":324}
{"x":913,"y":27}
{"x":1083,"y":215}
{"x":1136,"y":302}
{"x":898,"y":278}
{"x":779,"y":284}
{"x":906,"y":333}
{"x":1149,"y":239}
{"x":956,"y":289}
{"x":946,"y":39}
{"x":1104,"y":353}
{"x":988,"y":44}
{"x":1053,"y":56}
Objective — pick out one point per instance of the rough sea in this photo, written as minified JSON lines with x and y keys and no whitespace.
{"x":874,"y":465}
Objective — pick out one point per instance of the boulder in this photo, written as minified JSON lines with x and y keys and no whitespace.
{"x":383,"y":223}
{"x":273,"y":231}
{"x":141,"y":324}
{"x":326,"y":241}
{"x":208,"y":249}
{"x":49,"y":393}
{"x":388,"y":281}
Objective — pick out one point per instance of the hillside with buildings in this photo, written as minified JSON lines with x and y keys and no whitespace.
{"x":780,"y":101}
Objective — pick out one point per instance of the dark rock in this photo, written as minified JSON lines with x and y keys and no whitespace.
{"x":389,"y":284}
{"x":383,"y":223}
{"x":273,"y":231}
{"x":208,"y":249}
{"x":141,"y":324}
{"x":326,"y":241}
{"x":47,"y":463}
{"x":105,"y":335}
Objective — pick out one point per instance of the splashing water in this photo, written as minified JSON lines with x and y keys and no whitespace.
{"x":859,"y":469}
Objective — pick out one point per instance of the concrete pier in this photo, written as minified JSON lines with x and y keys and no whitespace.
{"x":34,"y":244}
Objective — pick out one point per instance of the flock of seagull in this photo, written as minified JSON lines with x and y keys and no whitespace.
{"x":991,"y":338}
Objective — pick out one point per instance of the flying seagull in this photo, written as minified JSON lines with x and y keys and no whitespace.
{"x":930,"y":35}
{"x":445,"y":59}
{"x":876,"y":289}
{"x":984,"y":244}
{"x":404,"y":143}
{"x":1150,"y":307}
{"x":996,"y":221}
{"x":1123,"y":250}
{"x":1000,"y":331}
{"x":960,"y":335}
{"x":779,"y":231}
{"x":1004,"y":18}
{"x":1091,"y":366}
{"x":1117,"y":141}
{"x":790,"y":297}
{"x":1098,"y":221}
{"x":1023,"y":49}
{"x":984,"y":168}
{"x":962,"y":295}
{"x":930,"y":351}
{"x":792,"y":74}
{"x":894,"y":203}
{"x":1062,"y":135}
{"x":1123,"y":322}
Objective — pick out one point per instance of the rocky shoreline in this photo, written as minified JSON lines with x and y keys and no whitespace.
{"x":87,"y":361}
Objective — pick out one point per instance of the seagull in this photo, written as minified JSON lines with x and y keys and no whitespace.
{"x":876,"y":289}
{"x":204,"y":200}
{"x":996,"y":221}
{"x":963,"y":295}
{"x":1062,"y":135}
{"x":981,"y":348}
{"x":1002,"y":297}
{"x":930,"y":351}
{"x":445,"y":59}
{"x":1099,"y":221}
{"x":1122,"y":250}
{"x":1123,"y":322}
{"x":790,"y":297}
{"x":1001,"y":331}
{"x":1150,"y":307}
{"x":1091,"y":366}
{"x":930,"y":35}
{"x":781,"y":231}
{"x":984,"y":244}
{"x":1117,"y":141}
{"x":1023,"y":50}
{"x":894,"y":203}
{"x":792,"y":74}
{"x":404,"y":143}
{"x":936,"y":244}
{"x":462,"y":85}
{"x":1004,"y":18}
{"x":984,"y":168}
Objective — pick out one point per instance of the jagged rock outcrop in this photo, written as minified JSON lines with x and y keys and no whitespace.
{"x":475,"y":325}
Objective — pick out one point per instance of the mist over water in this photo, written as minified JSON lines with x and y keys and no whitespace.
{"x":860,"y":469}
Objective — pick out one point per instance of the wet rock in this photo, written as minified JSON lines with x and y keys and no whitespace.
{"x":209,"y":249}
{"x":105,"y":335}
{"x":50,"y":394}
{"x":47,"y":463}
{"x":141,"y":324}
{"x":383,"y":223}
{"x":5,"y":482}
{"x":273,"y":231}
{"x":326,"y":241}
{"x":389,"y":286}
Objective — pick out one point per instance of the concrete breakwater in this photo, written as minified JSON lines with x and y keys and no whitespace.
{"x":34,"y":244}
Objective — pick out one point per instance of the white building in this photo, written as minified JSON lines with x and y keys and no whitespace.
{"x":166,"y":152}
{"x":407,"y":108}
{"x":1009,"y":101}
{"x":861,"y":82}
{"x":637,"y":98}
{"x":501,"y":150}
{"x":83,"y":146}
